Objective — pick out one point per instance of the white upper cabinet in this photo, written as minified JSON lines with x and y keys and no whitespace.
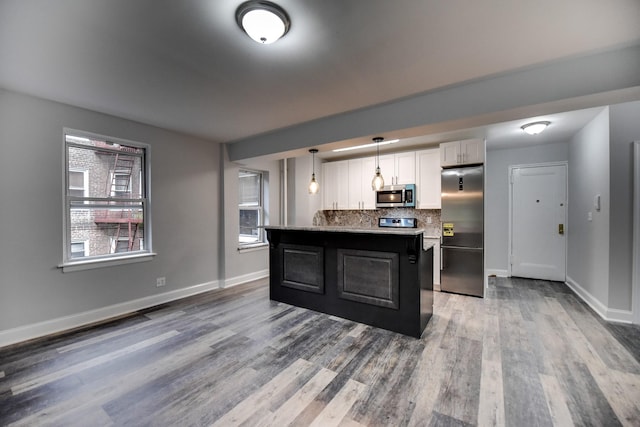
{"x":398,"y":168}
{"x":405,"y":165}
{"x":335,"y":191}
{"x":361,"y":195}
{"x":467,"y":152}
{"x":428,"y":184}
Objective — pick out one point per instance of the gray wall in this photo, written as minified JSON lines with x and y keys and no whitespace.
{"x":486,"y":100}
{"x":497,"y":195}
{"x":305,"y":204}
{"x":247,"y":265}
{"x":625,"y":128}
{"x":184,"y":194}
{"x":588,"y":241}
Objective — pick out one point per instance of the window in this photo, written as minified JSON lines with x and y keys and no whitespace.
{"x":79,"y":249}
{"x":251,"y":206}
{"x":106,"y":201}
{"x":78,"y":183}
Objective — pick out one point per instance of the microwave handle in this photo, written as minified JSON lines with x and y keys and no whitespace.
{"x":404,"y":196}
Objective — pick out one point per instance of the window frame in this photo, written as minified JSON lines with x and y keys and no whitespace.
{"x":96,"y":261}
{"x":260,"y":208}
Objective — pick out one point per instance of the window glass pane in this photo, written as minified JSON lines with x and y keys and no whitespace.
{"x":113,"y":174}
{"x":250,"y":188}
{"x":77,"y":250}
{"x":103,"y":227}
{"x":76,"y":179}
{"x":249,"y":222}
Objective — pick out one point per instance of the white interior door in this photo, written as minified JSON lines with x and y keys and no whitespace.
{"x":538,"y":221}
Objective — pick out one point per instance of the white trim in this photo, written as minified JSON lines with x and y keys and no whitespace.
{"x":635,"y":278}
{"x":608,"y":314}
{"x":253,"y":247}
{"x":36,"y":330}
{"x":238,"y":280}
{"x":497,"y":272}
{"x":89,"y":264}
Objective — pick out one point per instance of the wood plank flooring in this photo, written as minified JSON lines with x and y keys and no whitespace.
{"x":530,"y":353}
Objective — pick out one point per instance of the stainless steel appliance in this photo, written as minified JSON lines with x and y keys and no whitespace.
{"x":398,"y":222}
{"x":396,"y":196}
{"x":462,"y":218}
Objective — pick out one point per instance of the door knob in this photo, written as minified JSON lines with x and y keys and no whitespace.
{"x":560,"y":228}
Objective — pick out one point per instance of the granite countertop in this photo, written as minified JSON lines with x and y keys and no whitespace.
{"x":338,"y":229}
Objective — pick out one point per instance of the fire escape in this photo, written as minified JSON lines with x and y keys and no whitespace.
{"x":125,"y":220}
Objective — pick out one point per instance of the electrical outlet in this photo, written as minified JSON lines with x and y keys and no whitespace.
{"x":428,"y":220}
{"x":161,"y":281}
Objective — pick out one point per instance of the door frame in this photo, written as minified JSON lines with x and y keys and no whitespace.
{"x":566,"y":211}
{"x":635,"y":279}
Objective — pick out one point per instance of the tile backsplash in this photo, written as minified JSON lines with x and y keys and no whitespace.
{"x":369,"y":218}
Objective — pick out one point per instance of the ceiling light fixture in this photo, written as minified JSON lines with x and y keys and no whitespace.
{"x":535,"y":127}
{"x":313,"y":185}
{"x":378,"y":181}
{"x":391,"y":141}
{"x":263,"y":21}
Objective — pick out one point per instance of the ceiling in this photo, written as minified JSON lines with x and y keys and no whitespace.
{"x":185,"y":65}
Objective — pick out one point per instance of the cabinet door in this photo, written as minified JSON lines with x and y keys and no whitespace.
{"x":387,"y":168}
{"x":436,"y":260}
{"x":472,"y":151}
{"x":355,"y":183}
{"x":368,"y":171}
{"x":328,"y":186}
{"x":335,"y":191}
{"x":342,"y":190}
{"x":428,"y":182}
{"x":449,"y":153}
{"x":405,"y":168}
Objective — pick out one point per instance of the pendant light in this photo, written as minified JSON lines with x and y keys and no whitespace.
{"x":313,"y":185}
{"x":263,"y":21}
{"x":378,"y":181}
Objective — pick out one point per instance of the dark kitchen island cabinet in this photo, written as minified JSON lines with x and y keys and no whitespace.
{"x":381,"y":277}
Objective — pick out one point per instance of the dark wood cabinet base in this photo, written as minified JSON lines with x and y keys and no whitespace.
{"x":383,"y":280}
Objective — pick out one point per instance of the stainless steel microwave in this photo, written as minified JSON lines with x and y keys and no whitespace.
{"x":396,"y":196}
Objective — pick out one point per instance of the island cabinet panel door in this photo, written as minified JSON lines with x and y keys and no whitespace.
{"x":303,"y":267}
{"x":369,"y":277}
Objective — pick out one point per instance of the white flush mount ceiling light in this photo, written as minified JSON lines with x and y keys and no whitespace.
{"x":535,"y":127}
{"x":263,"y":21}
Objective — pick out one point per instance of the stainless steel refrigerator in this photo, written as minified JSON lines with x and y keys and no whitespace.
{"x":462,"y":218}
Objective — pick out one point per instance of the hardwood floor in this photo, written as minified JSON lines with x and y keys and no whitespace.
{"x":530,"y":353}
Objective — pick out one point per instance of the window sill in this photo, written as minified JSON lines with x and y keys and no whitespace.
{"x":254,"y":247}
{"x":68,"y":267}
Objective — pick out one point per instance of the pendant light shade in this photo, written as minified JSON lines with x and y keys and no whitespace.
{"x":313,"y":184}
{"x":378,"y":181}
{"x":263,"y":21}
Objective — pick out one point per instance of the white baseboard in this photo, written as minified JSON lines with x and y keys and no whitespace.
{"x":238,"y":280}
{"x":608,"y":314}
{"x":496,"y":272}
{"x":36,"y":330}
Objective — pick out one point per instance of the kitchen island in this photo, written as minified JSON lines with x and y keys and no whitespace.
{"x":381,"y":277}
